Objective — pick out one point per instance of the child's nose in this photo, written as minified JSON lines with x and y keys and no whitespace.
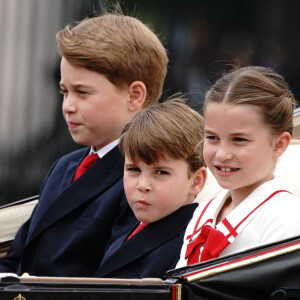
{"x":144,"y":184}
{"x":223,"y":153}
{"x":69,"y":103}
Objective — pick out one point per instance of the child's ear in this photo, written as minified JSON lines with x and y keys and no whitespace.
{"x":198,"y":181}
{"x":281,"y":143}
{"x":137,"y":93}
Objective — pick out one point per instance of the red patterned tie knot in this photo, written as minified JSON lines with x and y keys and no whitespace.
{"x":85,"y":164}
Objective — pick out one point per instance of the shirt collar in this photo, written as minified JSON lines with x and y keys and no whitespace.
{"x":106,"y":148}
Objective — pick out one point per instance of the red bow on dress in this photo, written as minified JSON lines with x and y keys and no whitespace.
{"x":213,"y":242}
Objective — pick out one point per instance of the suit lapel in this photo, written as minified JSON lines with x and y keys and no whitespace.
{"x":98,"y":178}
{"x":55,"y":190}
{"x":119,"y":242}
{"x":152,"y":236}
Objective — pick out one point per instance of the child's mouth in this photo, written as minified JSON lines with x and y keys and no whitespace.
{"x":227,"y":169}
{"x":142,"y":203}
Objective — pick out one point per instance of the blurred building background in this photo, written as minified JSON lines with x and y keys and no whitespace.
{"x":203,"y":37}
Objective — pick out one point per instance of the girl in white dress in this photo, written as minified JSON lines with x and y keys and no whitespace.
{"x":248,"y":126}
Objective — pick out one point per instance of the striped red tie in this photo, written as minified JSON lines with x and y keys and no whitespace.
{"x":85,"y":164}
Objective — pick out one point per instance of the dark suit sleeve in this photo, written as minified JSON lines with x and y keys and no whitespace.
{"x":10,"y":263}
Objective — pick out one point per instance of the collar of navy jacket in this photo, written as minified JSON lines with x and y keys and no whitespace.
{"x":122,"y":252}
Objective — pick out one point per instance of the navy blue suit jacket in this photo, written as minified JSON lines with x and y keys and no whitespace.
{"x":70,"y":227}
{"x":150,"y":252}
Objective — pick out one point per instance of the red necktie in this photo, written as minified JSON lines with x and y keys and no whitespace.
{"x":85,"y":164}
{"x":213,"y":242}
{"x":140,"y":227}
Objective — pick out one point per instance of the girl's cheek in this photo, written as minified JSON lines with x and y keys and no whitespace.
{"x":206,"y":152}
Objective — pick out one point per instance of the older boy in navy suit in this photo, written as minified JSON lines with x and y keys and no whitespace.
{"x":163,"y":172}
{"x":112,"y":66}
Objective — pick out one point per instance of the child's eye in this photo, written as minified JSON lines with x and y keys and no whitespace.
{"x":63,"y":92}
{"x":162,"y":172}
{"x":239,"y":139}
{"x":211,"y":137}
{"x":81,"y":93}
{"x":132,"y":169}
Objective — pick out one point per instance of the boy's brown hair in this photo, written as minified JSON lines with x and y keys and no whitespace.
{"x":120,"y":47}
{"x":165,"y":129}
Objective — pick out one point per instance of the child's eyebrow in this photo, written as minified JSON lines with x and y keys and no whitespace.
{"x":160,"y":166}
{"x":129,"y":164}
{"x":208,"y":131}
{"x":77,"y":86}
{"x":80,"y":86}
{"x":239,"y":133}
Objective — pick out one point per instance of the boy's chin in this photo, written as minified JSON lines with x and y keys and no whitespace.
{"x":82,"y":142}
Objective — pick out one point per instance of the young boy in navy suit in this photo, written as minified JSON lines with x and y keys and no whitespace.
{"x":164,"y":170}
{"x":112,"y":66}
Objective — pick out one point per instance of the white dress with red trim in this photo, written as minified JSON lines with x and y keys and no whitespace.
{"x":269,"y":214}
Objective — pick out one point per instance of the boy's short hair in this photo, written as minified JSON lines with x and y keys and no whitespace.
{"x":165,"y":129}
{"x":120,"y":47}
